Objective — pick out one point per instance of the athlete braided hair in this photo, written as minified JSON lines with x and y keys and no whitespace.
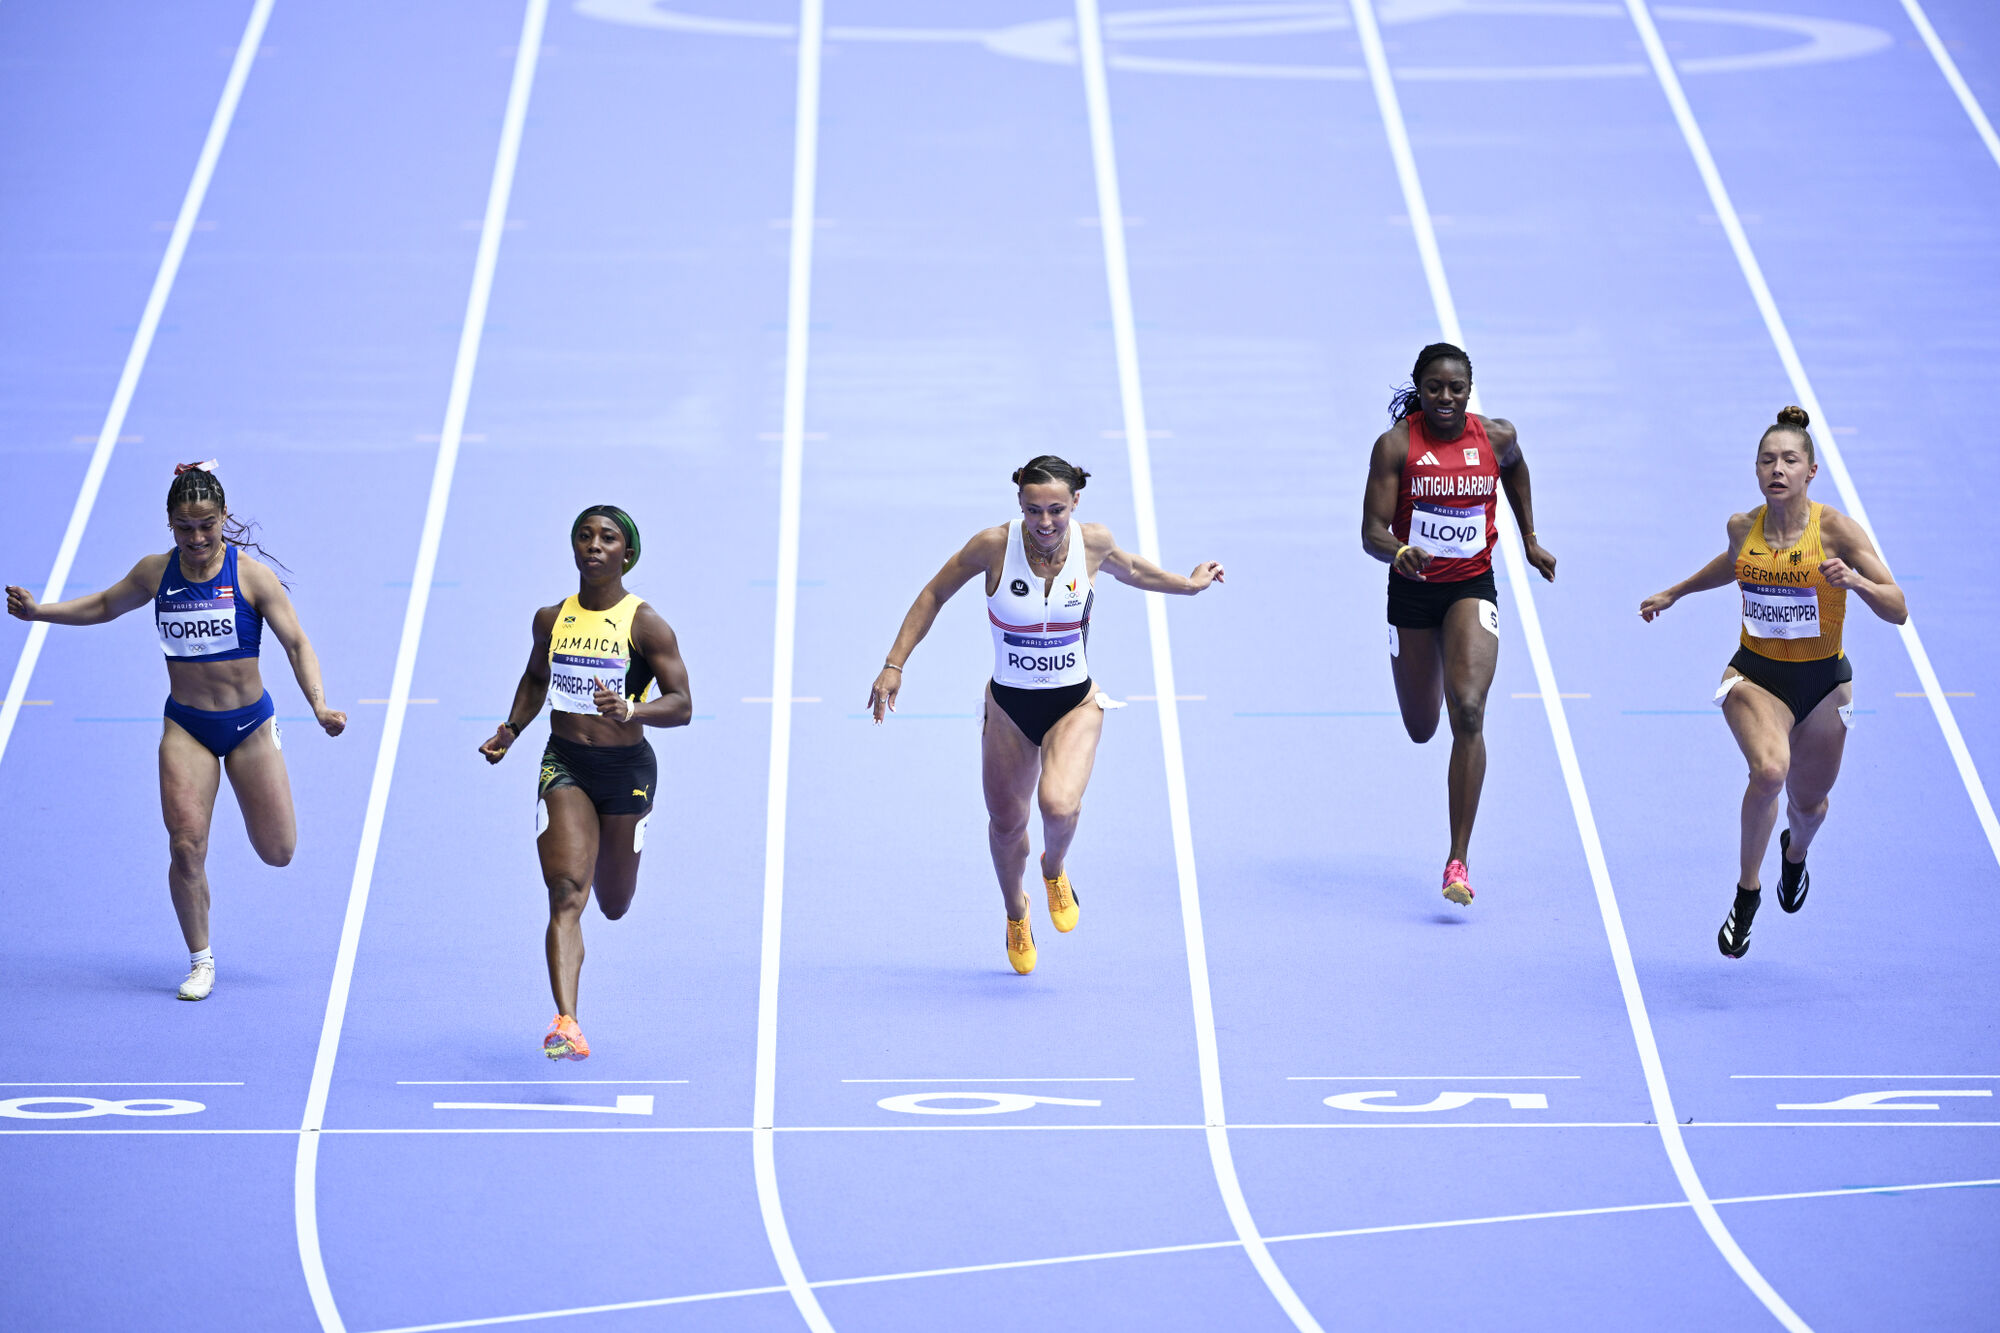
{"x":1048,"y":468}
{"x":195,"y":484}
{"x":1408,"y":401}
{"x":1792,"y":418}
{"x":625,"y":525}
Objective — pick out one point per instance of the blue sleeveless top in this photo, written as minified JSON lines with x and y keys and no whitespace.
{"x":209,"y":622}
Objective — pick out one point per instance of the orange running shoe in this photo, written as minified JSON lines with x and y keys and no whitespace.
{"x":1062,"y":902}
{"x":565,"y":1040}
{"x":1457,"y":883}
{"x":1020,"y":945}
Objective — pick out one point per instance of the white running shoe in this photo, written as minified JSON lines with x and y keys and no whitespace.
{"x":199,"y":982}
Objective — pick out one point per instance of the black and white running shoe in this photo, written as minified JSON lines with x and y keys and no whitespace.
{"x":1734,"y":937}
{"x":1793,"y":881}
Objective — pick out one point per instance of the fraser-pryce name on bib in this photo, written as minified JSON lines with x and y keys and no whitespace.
{"x":1774,"y":612}
{"x":197,"y":629}
{"x":573,"y":680}
{"x":1452,"y":534}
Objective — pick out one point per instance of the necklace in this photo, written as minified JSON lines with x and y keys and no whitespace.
{"x":1055,"y":557}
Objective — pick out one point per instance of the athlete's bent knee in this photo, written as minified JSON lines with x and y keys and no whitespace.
{"x":280,"y":855}
{"x":613,"y":911}
{"x":567,"y":894}
{"x":1767,"y":777}
{"x":188,"y":850}
{"x":1060,"y":809}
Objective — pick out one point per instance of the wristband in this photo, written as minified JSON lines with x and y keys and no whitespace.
{"x":630,"y":707}
{"x":511,"y":729}
{"x":1399,"y":552}
{"x":890,"y":666}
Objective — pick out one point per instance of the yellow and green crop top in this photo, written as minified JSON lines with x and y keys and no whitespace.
{"x":1790,"y":612}
{"x":588,"y":648}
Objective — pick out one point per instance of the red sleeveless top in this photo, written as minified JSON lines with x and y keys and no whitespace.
{"x":1446,"y":504}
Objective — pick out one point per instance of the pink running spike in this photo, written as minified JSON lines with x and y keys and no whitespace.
{"x":1457,"y":883}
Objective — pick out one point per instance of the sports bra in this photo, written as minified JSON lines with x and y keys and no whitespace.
{"x":209,"y":622}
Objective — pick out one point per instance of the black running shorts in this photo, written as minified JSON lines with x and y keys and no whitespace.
{"x":618,"y":779}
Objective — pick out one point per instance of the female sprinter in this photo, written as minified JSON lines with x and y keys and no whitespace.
{"x":1788,"y":692}
{"x":210,"y":605}
{"x":599,"y":649}
{"x":1043,"y":714}
{"x":1429,"y":514}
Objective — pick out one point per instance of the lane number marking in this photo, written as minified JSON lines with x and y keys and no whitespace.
{"x":1444,"y":1101}
{"x":1886,"y":1100}
{"x":988,"y":1103}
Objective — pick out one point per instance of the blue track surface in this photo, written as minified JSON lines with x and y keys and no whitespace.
{"x":635,"y":351}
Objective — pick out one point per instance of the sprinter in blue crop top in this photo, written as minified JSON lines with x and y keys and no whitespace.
{"x":210,"y":605}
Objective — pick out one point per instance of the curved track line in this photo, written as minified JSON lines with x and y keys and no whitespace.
{"x":798,"y":314}
{"x":1795,"y":370}
{"x":1949,"y":68}
{"x":1545,"y":677}
{"x":135,"y":359}
{"x":305,"y":1173}
{"x":1104,"y":162}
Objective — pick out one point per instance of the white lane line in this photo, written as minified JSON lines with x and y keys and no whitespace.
{"x":1898,"y":1077}
{"x":1427,"y":1078}
{"x":305,"y":1208}
{"x":1195,"y":1247}
{"x":1949,"y":68}
{"x":1110,"y":208}
{"x":121,"y":1085}
{"x":1552,"y":705}
{"x":135,"y":359}
{"x":988,"y":1080}
{"x":529,"y":1081}
{"x":1342,"y":1125}
{"x":784,"y":639}
{"x":1795,"y":370}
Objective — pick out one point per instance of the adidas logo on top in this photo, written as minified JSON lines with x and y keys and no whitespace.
{"x":1429,"y":460}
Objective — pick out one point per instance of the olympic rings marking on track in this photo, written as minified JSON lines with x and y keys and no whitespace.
{"x":1053,"y":41}
{"x":994,"y":1103}
{"x":18,"y":1107}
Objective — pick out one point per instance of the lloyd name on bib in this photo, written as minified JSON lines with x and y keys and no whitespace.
{"x":1451,"y":534}
{"x":1773,"y":612}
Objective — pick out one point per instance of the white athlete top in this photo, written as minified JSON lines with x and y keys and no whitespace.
{"x":1039,"y":639}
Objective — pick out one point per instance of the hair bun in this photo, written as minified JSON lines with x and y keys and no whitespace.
{"x":1794,"y":416}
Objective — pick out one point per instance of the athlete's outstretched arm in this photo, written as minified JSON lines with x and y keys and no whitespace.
{"x":273,"y":603}
{"x":1520,"y":497}
{"x":1852,"y":564}
{"x":128,"y":594}
{"x":983,"y":554}
{"x":1378,"y":506}
{"x":530,"y":694}
{"x":655,"y":638}
{"x":1715,"y":574}
{"x":1136,"y":571}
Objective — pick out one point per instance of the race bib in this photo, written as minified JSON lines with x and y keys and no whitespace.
{"x":1450,"y":534}
{"x":573,"y":681}
{"x":196,"y":629}
{"x":1773,"y":612}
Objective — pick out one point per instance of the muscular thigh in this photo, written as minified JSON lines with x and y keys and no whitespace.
{"x":1418,"y":668}
{"x":189,"y":777}
{"x":1817,"y":746}
{"x":568,"y":845}
{"x":620,"y":840}
{"x":1760,"y":721}
{"x":1008,"y":761}
{"x":263,"y":789}
{"x":1069,"y":751}
{"x":1471,"y":648}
